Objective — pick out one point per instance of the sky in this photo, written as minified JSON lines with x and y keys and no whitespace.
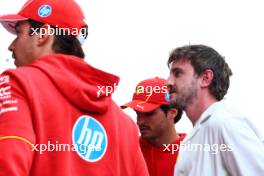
{"x":133,"y":39}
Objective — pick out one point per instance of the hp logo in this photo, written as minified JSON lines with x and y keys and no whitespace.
{"x":89,"y":138}
{"x":44,"y":11}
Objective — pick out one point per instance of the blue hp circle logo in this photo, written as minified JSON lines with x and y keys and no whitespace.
{"x":44,"y":11}
{"x":89,"y":138}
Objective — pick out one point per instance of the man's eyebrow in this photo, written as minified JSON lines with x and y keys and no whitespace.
{"x":172,"y":70}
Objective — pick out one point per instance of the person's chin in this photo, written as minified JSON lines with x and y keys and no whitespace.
{"x":145,"y":134}
{"x":16,"y":63}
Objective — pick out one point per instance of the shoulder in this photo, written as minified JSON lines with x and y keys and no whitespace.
{"x":227,"y":122}
{"x":26,"y":71}
{"x":224,"y":120}
{"x":223,"y":115}
{"x":23,"y":77}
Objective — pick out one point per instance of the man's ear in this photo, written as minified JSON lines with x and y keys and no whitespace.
{"x":45,"y":34}
{"x":207,"y":78}
{"x":172,"y":113}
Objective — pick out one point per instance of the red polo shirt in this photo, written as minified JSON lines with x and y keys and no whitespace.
{"x":161,"y":160}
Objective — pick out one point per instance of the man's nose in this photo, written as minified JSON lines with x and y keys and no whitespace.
{"x":140,"y":120}
{"x":169,"y":81}
{"x":11,"y":46}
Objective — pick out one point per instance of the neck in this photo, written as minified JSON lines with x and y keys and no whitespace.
{"x":166,"y":138}
{"x":195,"y":110}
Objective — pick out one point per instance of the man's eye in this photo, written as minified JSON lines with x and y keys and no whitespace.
{"x":177,"y":73}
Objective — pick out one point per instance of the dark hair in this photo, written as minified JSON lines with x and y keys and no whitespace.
{"x":63,"y":44}
{"x":201,"y":58}
{"x":166,"y":108}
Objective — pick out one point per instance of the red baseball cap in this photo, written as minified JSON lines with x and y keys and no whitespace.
{"x":58,"y":13}
{"x":149,"y":95}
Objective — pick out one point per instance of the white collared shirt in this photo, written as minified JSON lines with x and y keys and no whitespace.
{"x":221,"y":143}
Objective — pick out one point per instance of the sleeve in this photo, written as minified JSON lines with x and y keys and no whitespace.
{"x":246,"y":148}
{"x":17,"y":136}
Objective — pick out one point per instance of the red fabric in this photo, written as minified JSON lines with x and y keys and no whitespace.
{"x":160,"y":160}
{"x":149,"y":95}
{"x":42,"y":103}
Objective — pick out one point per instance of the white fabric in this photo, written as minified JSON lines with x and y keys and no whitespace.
{"x":219,"y":125}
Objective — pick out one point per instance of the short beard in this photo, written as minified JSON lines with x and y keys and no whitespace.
{"x":187,"y":99}
{"x":176,"y":105}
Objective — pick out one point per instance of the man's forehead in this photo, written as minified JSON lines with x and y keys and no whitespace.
{"x":178,"y":63}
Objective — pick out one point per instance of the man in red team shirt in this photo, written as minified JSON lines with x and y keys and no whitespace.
{"x":156,"y":120}
{"x":55,"y":116}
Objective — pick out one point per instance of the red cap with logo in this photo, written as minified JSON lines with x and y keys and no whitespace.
{"x":149,"y":95}
{"x":58,"y":13}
